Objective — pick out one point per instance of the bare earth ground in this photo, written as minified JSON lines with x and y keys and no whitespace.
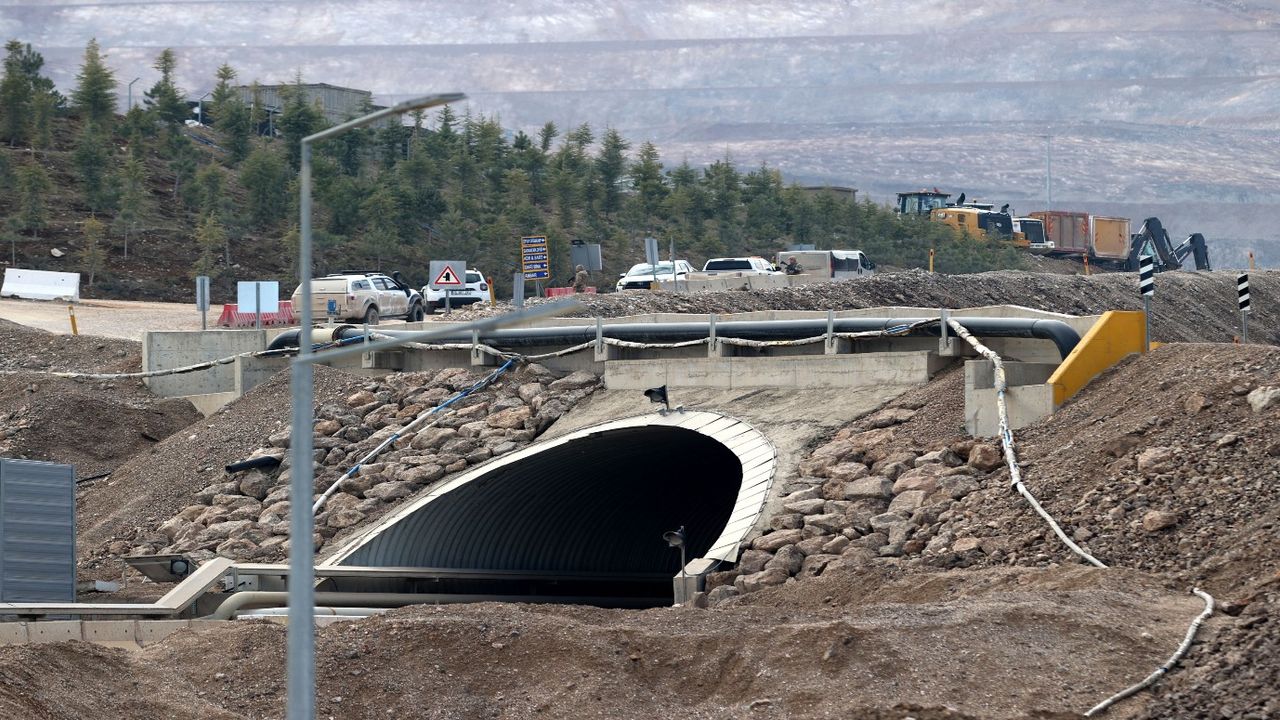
{"x":989,"y":644}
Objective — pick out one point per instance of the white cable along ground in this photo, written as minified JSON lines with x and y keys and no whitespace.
{"x":1006,"y":441}
{"x":1015,"y":474}
{"x":1173,"y":659}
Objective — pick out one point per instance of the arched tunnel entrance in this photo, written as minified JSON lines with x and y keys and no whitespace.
{"x":580,"y":518}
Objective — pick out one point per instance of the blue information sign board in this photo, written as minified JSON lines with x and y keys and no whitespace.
{"x":534,"y":259}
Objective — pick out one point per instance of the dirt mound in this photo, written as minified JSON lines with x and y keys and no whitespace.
{"x":74,"y":680}
{"x":25,"y":348}
{"x":94,"y":425}
{"x":983,"y":644}
{"x":151,"y":487}
{"x":1188,"y":306}
{"x":1165,"y":464}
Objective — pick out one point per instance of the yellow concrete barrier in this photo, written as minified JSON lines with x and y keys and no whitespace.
{"x":1116,"y":335}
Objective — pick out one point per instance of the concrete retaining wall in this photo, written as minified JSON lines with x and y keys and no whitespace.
{"x":165,"y":350}
{"x":129,"y":634}
{"x":859,"y":370}
{"x":1028,"y":399}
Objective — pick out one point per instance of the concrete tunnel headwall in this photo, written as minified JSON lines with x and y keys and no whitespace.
{"x":591,"y":505}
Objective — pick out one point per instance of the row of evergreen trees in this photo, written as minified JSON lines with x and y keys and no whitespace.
{"x":395,"y":197}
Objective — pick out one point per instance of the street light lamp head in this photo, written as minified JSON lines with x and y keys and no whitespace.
{"x":674,"y":538}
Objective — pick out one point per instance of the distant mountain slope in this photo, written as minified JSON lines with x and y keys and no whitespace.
{"x":1149,"y":101}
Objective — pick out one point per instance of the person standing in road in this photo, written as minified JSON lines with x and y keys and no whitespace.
{"x":580,"y":280}
{"x":793,"y":267}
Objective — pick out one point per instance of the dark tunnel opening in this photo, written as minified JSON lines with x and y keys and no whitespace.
{"x":578,"y":522}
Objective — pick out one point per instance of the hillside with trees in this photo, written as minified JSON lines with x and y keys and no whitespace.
{"x":142,"y":202}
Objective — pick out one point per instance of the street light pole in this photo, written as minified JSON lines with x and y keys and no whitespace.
{"x":131,"y":82}
{"x":200,"y":106}
{"x":1048,"y":172}
{"x":301,"y":635}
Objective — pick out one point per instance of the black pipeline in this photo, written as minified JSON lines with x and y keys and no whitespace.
{"x":1062,"y":335}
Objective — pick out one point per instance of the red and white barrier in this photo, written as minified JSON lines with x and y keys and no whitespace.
{"x":232,"y":317}
{"x":561,"y":291}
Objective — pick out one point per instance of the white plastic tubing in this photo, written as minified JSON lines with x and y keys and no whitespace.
{"x":1015,"y":475}
{"x":1173,"y":659}
{"x":1006,"y":440}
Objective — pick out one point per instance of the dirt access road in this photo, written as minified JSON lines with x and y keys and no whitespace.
{"x":126,"y":319}
{"x":106,"y":318}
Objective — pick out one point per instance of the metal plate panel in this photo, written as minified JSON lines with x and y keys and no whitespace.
{"x":37,"y":532}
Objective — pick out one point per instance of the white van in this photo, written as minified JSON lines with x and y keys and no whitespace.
{"x":834,"y":264}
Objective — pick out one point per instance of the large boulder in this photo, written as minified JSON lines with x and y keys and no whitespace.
{"x":805,"y":507}
{"x":432,"y":438}
{"x":1264,"y":397}
{"x":923,"y":478}
{"x":256,"y":484}
{"x":907,"y":502}
{"x":512,"y":418}
{"x":1157,"y":520}
{"x":760,"y":580}
{"x":420,"y":475}
{"x":775,"y":540}
{"x":1156,"y":460}
{"x":752,"y":561}
{"x":389,"y":491}
{"x":575,"y":381}
{"x":847,"y":471}
{"x":829,"y":524}
{"x":985,"y":457}
{"x":788,"y":559}
{"x":870,"y":487}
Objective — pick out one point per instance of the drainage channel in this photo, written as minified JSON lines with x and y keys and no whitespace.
{"x":577,"y":519}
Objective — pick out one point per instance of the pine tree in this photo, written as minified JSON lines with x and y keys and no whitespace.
{"x":611,"y":164}
{"x":133,"y":199}
{"x":232,"y":118}
{"x":164,"y":99}
{"x":380,"y":234}
{"x":546,"y":136}
{"x":94,"y":97}
{"x":33,"y":185}
{"x":265,"y":178}
{"x":210,"y":238}
{"x":15,"y":96}
{"x":92,"y":256}
{"x":182,"y":161}
{"x":222,"y":92}
{"x":92,"y":158}
{"x":40,"y":126}
{"x":298,"y":119}
{"x":648,"y":183}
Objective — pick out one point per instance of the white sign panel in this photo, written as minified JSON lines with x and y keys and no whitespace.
{"x":41,"y":285}
{"x":448,"y":274}
{"x":249,"y":292}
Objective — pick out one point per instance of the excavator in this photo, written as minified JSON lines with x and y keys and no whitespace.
{"x":1152,"y":239}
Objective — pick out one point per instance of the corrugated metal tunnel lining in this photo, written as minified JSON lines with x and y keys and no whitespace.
{"x":592,"y":504}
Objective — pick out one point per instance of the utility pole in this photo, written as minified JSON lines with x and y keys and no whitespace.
{"x":1048,"y":171}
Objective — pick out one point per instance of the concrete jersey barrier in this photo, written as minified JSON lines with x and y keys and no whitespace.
{"x":41,"y":285}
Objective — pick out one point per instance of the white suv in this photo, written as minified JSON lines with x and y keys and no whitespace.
{"x":740,"y":265}
{"x":474,"y":290}
{"x":362,"y":297}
